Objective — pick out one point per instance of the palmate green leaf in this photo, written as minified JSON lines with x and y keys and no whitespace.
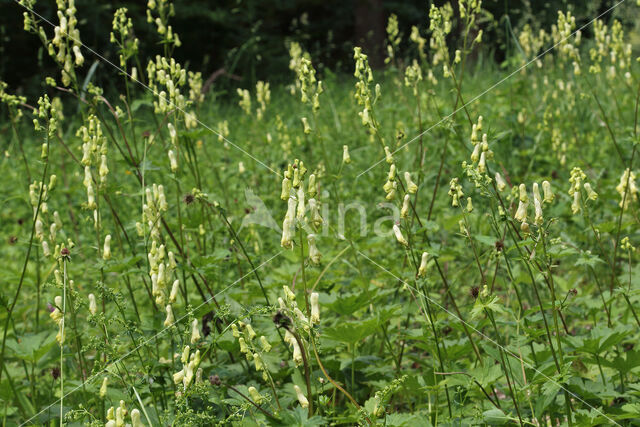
{"x":493,"y":304}
{"x":32,"y":347}
{"x":632,"y":408}
{"x":496,"y":416}
{"x":407,"y":420}
{"x":487,"y":374}
{"x":550,"y":390}
{"x":347,"y":304}
{"x":137,"y":103}
{"x":589,"y":259}
{"x":351,"y":332}
{"x":600,"y":339}
{"x":300,"y":417}
{"x":486,"y":240}
{"x":626,"y":364}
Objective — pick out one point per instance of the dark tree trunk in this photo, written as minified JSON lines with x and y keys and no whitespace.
{"x":370,"y":30}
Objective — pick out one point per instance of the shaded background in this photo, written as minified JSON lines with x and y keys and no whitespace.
{"x":247,"y":38}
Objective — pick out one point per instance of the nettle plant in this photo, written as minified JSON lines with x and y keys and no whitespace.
{"x":194,"y":274}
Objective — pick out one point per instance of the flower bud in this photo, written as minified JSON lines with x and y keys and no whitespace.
{"x":346,"y":158}
{"x":411,"y":186}
{"x":286,"y":189}
{"x":404,"y":212}
{"x":305,"y":126}
{"x":178,"y":376}
{"x":243,"y":345}
{"x":174,"y":291}
{"x":103,"y":171}
{"x":173,"y":161}
{"x":265,"y":344}
{"x":538,"y":212}
{"x":258,"y":362}
{"x":482,"y":164}
{"x":169,"y":320}
{"x":392,"y":173}
{"x":575,"y":205}
{"x":521,"y":213}
{"x":312,"y":188}
{"x":185,"y":354}
{"x":195,"y":332}
{"x":301,"y":397}
{"x":45,"y":248}
{"x":106,"y":253}
{"x":314,"y":212}
{"x":399,"y":237}
{"x":172,"y":133}
{"x":422,"y":270}
{"x":39,"y":232}
{"x":388,"y":155}
{"x":52,"y":182}
{"x":314,"y":253}
{"x":315,"y":308}
{"x":523,"y":193}
{"x":288,"y":293}
{"x":301,"y":210}
{"x":257,"y":398}
{"x":250,"y":332}
{"x":103,"y":387}
{"x":591,"y":195}
{"x":93,"y":307}
{"x":297,"y":352}
{"x":135,"y":419}
{"x":548,"y":193}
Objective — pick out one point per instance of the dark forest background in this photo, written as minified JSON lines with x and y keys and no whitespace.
{"x":247,"y":38}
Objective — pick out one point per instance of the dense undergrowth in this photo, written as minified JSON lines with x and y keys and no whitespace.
{"x":454,"y":246}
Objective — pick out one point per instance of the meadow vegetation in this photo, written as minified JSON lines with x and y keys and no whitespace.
{"x":445,"y":241}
